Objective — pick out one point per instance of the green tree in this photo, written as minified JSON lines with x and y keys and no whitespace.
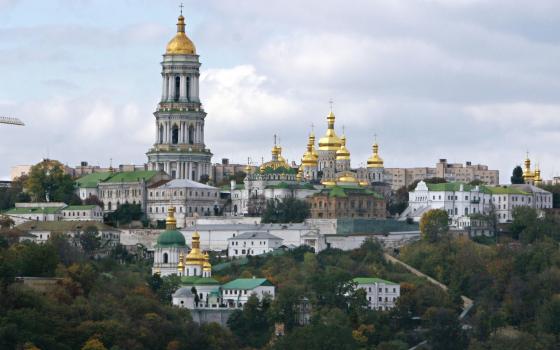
{"x":89,"y":239}
{"x":48,"y":182}
{"x":517,"y":175}
{"x":125,"y":214}
{"x":434,"y":225}
{"x":443,"y":329}
{"x":94,"y":344}
{"x":251,"y":326}
{"x":285,"y":211}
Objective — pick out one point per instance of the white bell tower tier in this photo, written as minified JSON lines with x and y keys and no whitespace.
{"x":179,"y":147}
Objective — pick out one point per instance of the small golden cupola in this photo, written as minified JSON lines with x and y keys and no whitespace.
{"x":375,"y":161}
{"x":195,"y":256}
{"x":309,"y":159}
{"x":343,"y":153}
{"x":330,"y":142}
{"x":180,"y":44}
{"x":528,"y":175}
{"x":206,"y":266}
{"x":537,"y":178}
{"x":312,"y":142}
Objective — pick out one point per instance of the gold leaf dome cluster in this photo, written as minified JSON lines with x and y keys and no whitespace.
{"x":330,"y":142}
{"x":310,"y":157}
{"x":180,"y":44}
{"x":195,"y":256}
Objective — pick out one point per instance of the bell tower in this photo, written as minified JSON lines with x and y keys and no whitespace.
{"x":179,"y":147}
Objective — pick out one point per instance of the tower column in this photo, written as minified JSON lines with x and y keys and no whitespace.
{"x":183,"y":87}
{"x":194,"y":88}
{"x":169,"y":88}
{"x":164,"y":87}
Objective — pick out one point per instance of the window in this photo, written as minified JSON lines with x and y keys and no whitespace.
{"x":177,"y":88}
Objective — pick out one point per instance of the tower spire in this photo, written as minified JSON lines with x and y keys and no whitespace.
{"x":181,"y":8}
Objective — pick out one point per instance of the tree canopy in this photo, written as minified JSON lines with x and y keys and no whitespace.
{"x":517,"y":175}
{"x":434,"y":225}
{"x":285,"y":211}
{"x":48,"y":182}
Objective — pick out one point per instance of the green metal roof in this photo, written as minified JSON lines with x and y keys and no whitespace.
{"x":247,"y":283}
{"x":198,"y":281}
{"x":80,"y":207}
{"x":171,"y":238}
{"x":279,"y":170}
{"x":61,"y":226}
{"x":91,"y":180}
{"x":45,"y":210}
{"x":344,"y":191}
{"x":371,"y":280}
{"x":455,"y":186}
{"x":284,"y":185}
{"x":132,"y":176}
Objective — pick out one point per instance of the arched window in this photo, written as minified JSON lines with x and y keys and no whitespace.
{"x":109,"y":206}
{"x":161,"y":133}
{"x":191,"y":134}
{"x":175,"y":134}
{"x":177,"y":88}
{"x":165,"y":258}
{"x":188,"y":88}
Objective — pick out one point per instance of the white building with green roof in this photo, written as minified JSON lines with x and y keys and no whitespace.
{"x":87,"y":185}
{"x":380,"y":294}
{"x":169,"y":249}
{"x":25,"y":212}
{"x":461,"y":201}
{"x":82,"y":213}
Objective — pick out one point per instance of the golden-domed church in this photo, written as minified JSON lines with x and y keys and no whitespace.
{"x":173,"y":256}
{"x":531,"y":177}
{"x":179,"y":147}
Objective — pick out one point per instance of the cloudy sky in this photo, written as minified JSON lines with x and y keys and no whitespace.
{"x":458,"y":79}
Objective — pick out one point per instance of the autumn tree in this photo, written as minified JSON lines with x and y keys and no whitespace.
{"x":434,"y":225}
{"x":47,"y":182}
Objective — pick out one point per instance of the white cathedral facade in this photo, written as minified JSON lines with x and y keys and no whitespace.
{"x":179,"y":147}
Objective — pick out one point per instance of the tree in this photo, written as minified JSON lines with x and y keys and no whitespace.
{"x":124,"y":214}
{"x":517,"y":175}
{"x":47,"y":182}
{"x":251,"y":325}
{"x":6,"y":222}
{"x":204,"y":178}
{"x":94,"y":344}
{"x":89,"y":239}
{"x":434,"y":224}
{"x":284,"y":211}
{"x":10,"y":195}
{"x":93,"y":200}
{"x":443,"y":329}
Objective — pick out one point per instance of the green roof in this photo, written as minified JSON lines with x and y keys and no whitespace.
{"x":91,"y":180}
{"x":247,"y":283}
{"x":45,"y":210}
{"x":171,"y":238}
{"x":455,"y":186}
{"x":61,"y":226}
{"x":344,"y":191}
{"x":80,"y":207}
{"x":132,"y":176}
{"x":279,"y":170}
{"x":371,"y":280}
{"x":200,"y":281}
{"x":295,"y":186}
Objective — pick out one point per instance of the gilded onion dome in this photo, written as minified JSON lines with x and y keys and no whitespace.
{"x":309,"y":159}
{"x":375,"y":161}
{"x":206,"y":264}
{"x":527,"y":173}
{"x":180,"y":266}
{"x":180,"y":44}
{"x":195,"y":256}
{"x":347,"y":177}
{"x":299,"y":175}
{"x":330,"y":142}
{"x":537,"y":178}
{"x":343,"y":153}
{"x":277,"y":160}
{"x":312,"y":142}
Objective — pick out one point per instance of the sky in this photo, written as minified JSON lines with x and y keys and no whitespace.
{"x":465,"y":80}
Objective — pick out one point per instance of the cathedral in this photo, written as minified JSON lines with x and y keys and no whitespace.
{"x":179,"y":147}
{"x":531,"y":177}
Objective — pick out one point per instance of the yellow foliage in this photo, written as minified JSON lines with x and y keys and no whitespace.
{"x":94,"y":344}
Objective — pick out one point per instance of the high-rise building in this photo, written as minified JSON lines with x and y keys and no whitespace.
{"x":179,"y":148}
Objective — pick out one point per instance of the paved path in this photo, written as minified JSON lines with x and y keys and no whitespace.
{"x":467,"y":302}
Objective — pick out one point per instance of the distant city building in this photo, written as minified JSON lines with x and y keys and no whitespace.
{"x":221,"y":172}
{"x":380,"y":294}
{"x":461,"y":201}
{"x":189,"y":198}
{"x":82,"y":213}
{"x":347,"y":200}
{"x":451,"y":172}
{"x":179,"y":147}
{"x":252,"y":243}
{"x":19,"y":171}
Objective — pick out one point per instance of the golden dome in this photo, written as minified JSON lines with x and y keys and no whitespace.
{"x":248,"y":169}
{"x":328,"y":183}
{"x":330,"y":142}
{"x":375,"y":161}
{"x":527,"y":173}
{"x":299,"y":175}
{"x":180,"y":265}
{"x":309,"y":159}
{"x":364,"y":183}
{"x":206,"y":266}
{"x":180,"y":44}
{"x":312,"y":142}
{"x":343,"y":153}
{"x":195,"y":256}
{"x":347,"y":177}
{"x":277,"y":160}
{"x":170,"y":221}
